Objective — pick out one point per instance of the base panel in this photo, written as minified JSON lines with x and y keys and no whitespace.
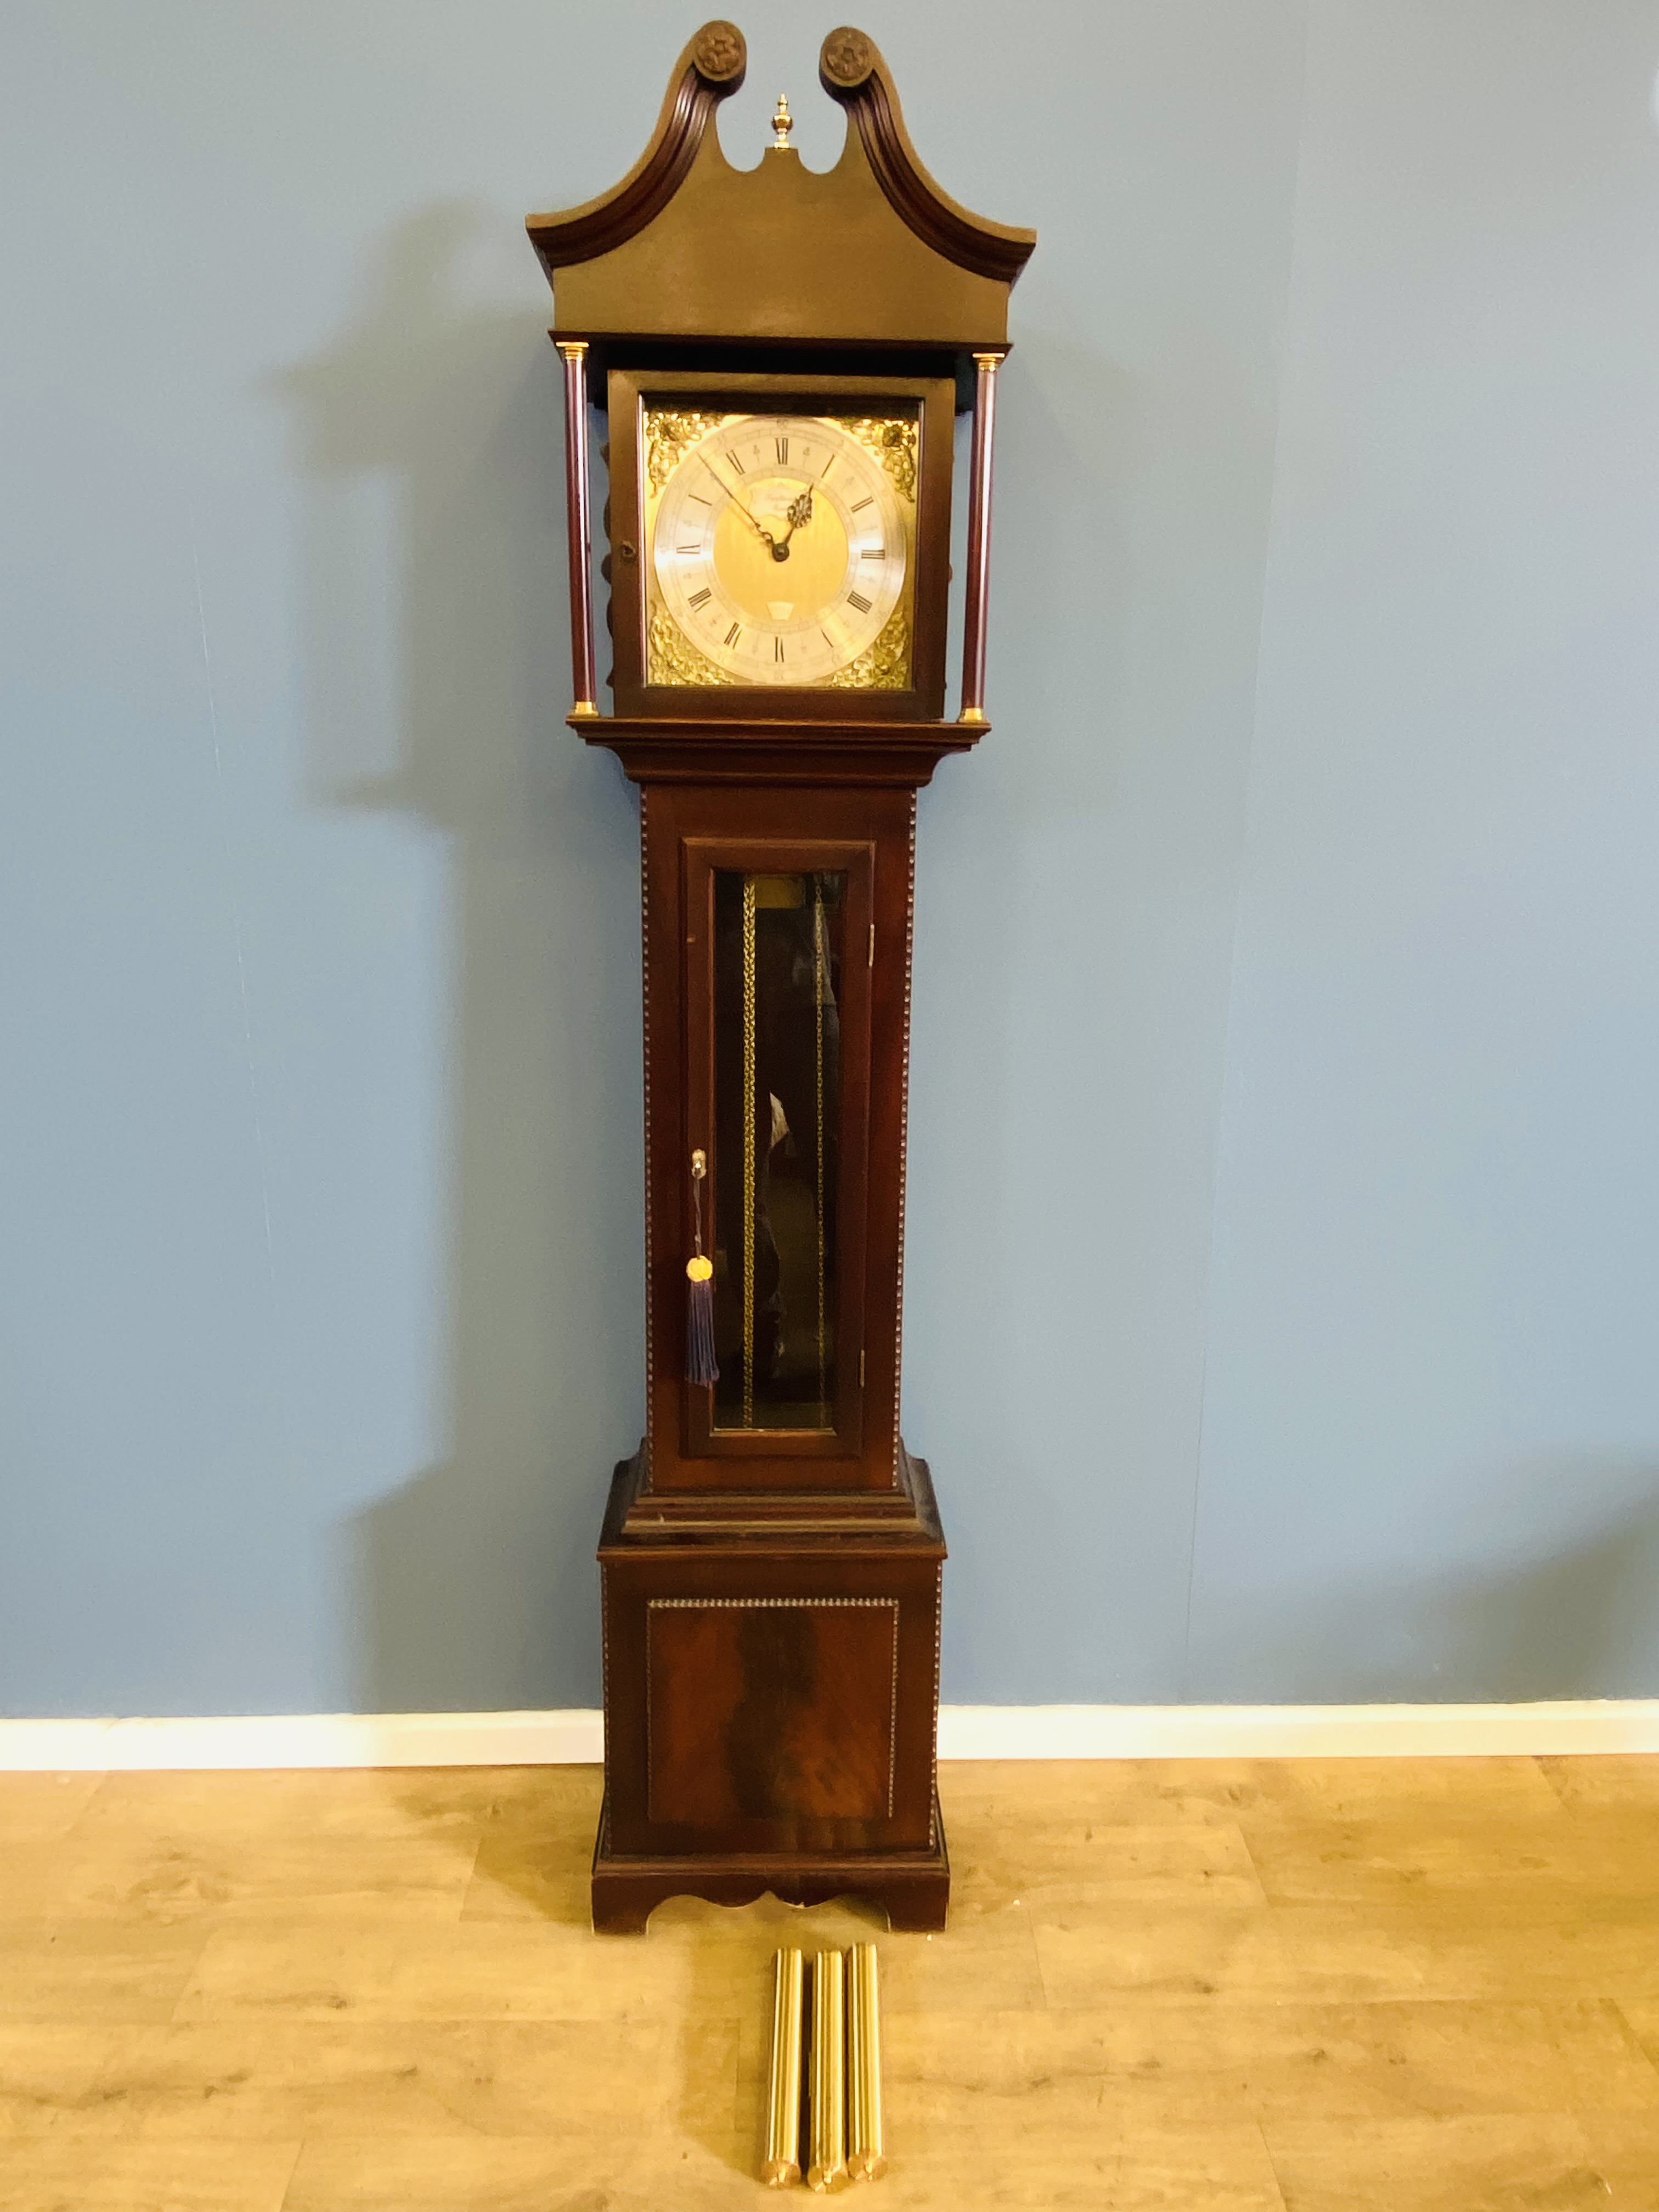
{"x":912,"y":1887}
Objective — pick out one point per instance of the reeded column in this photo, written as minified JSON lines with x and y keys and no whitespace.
{"x":827,"y":2105}
{"x":782,"y":2165}
{"x":572,"y":352}
{"x":866,"y":2154}
{"x":979,"y":540}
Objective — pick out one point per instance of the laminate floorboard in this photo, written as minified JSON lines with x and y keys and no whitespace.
{"x":1167,"y":1986}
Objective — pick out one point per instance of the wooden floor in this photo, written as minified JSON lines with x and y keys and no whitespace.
{"x":1197,"y":1988}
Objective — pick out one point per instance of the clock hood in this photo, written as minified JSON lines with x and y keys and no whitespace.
{"x":869,"y":252}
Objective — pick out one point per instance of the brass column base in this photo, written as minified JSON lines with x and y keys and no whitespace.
{"x":913,"y":1887}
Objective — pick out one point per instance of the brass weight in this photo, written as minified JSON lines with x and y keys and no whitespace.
{"x":782,"y":2164}
{"x":828,"y":2102}
{"x":867,"y":2157}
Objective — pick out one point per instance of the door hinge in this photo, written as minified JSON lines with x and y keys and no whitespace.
{"x":872,"y":961}
{"x":860,"y":1370}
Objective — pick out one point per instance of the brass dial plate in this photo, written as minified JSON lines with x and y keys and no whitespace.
{"x":780,"y":547}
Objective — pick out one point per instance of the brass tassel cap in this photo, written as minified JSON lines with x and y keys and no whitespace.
{"x":867,"y":2156}
{"x":782,"y":2166}
{"x":827,"y":2118}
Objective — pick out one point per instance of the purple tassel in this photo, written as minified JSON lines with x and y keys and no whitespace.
{"x":700,"y":1363}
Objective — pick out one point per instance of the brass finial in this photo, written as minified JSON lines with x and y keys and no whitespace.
{"x":782,"y":122}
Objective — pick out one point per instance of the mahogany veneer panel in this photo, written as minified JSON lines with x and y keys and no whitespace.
{"x":764,"y":1712}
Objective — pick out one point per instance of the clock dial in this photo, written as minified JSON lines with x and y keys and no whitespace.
{"x":780,"y":549}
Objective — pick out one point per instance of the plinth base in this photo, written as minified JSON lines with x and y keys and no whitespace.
{"x":912,"y":1887}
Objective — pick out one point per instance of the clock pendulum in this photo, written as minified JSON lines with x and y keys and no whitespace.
{"x":780,"y":356}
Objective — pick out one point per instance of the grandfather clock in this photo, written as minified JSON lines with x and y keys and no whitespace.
{"x":780,"y":356}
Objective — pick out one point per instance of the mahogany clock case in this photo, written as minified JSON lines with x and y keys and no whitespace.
{"x":771,"y":1558}
{"x":630,"y":391}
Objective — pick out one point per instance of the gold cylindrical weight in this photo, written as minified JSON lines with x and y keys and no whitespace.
{"x":828,"y":2110}
{"x":782,"y":2164}
{"x":866,"y":2154}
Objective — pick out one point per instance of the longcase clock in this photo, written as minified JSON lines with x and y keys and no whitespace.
{"x":780,"y":357}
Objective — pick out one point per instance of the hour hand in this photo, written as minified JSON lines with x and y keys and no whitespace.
{"x":800,"y":511}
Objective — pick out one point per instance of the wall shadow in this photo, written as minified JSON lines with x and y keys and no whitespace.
{"x":436,"y":679}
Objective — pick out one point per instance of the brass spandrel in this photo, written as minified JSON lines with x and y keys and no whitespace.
{"x":894,"y":439}
{"x":886,"y":667}
{"x":668,"y":432}
{"x":672,"y":659}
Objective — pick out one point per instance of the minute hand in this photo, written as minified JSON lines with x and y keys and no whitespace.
{"x":737,"y":503}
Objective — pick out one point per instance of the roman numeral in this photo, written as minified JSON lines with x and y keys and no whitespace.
{"x":696,"y":546}
{"x":783,"y":449}
{"x":854,"y":600}
{"x":732,"y":634}
{"x":857,"y":504}
{"x":698,"y":598}
{"x":699,"y":498}
{"x":869,"y":553}
{"x":777,"y":651}
{"x":736,"y":463}
{"x":828,"y":465}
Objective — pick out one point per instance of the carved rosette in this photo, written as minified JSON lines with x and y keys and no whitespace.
{"x":847,"y":57}
{"x":719,"y":53}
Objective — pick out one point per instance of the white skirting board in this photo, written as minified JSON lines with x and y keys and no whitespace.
{"x":1566,"y":1726}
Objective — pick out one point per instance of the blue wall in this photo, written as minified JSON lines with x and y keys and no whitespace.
{"x":1283,"y":1285}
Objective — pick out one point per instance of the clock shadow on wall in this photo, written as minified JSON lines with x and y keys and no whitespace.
{"x":433,"y":566}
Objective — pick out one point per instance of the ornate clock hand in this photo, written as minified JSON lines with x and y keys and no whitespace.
{"x":800,"y":511}
{"x":741,"y":508}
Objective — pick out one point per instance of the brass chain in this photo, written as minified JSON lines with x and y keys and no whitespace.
{"x":748,"y":1176}
{"x":820,"y":980}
